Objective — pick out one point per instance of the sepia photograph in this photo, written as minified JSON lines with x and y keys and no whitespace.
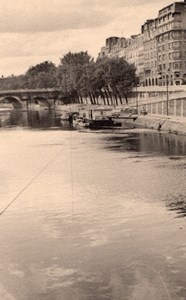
{"x":93,"y":150}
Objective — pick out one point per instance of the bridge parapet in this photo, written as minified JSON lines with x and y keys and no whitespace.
{"x":28,"y":96}
{"x":30,"y":92}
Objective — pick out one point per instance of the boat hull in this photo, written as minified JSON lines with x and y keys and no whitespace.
{"x":104,"y":124}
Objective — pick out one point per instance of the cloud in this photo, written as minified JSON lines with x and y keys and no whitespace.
{"x":37,"y":30}
{"x":50,"y":43}
{"x":39,"y":16}
{"x":18,"y":16}
{"x":118,"y":3}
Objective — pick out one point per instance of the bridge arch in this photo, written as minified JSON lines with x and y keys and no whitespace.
{"x":40,"y":100}
{"x":15,"y":101}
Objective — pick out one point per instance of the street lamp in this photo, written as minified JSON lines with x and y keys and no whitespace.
{"x":135,"y":87}
{"x":167,"y":92}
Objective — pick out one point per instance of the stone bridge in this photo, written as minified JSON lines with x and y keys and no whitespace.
{"x":22,"y":99}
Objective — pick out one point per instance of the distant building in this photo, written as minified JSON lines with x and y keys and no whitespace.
{"x":159,"y":51}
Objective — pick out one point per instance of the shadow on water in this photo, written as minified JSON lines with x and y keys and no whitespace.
{"x":151,"y":144}
{"x":148,"y":143}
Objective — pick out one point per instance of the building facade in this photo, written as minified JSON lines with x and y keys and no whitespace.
{"x":159,"y":51}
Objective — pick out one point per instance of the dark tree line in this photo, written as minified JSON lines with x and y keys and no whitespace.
{"x":42,"y":75}
{"x":80,"y":78}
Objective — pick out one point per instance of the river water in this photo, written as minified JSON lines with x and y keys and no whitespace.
{"x":95,"y":214}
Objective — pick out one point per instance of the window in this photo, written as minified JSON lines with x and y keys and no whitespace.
{"x":176,"y":25}
{"x":160,"y":38}
{"x":176,"y":13}
{"x":176,"y":55}
{"x":176,"y":74}
{"x":177,"y":65}
{"x":176,"y":44}
{"x":160,"y":29}
{"x":176,"y":34}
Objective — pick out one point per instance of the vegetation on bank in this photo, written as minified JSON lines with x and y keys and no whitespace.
{"x":79,"y":78}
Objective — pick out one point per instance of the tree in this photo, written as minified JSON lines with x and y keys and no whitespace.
{"x":71,"y":74}
{"x":12,"y":83}
{"x":42,"y":75}
{"x":115,"y":77}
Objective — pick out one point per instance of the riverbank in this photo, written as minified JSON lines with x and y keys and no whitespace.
{"x":176,"y":125}
{"x":170,"y":124}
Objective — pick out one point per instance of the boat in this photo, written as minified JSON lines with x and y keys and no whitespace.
{"x":104,"y":123}
{"x":81,"y":122}
{"x":104,"y":118}
{"x":125,"y":113}
{"x":66,"y":115}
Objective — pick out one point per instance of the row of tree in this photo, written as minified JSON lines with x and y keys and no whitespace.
{"x":80,"y":78}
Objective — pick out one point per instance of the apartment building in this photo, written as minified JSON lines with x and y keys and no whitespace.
{"x":159,"y":51}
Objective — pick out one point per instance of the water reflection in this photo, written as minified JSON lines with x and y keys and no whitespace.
{"x":148,"y":143}
{"x":118,"y":240}
{"x":152,"y":144}
{"x":32,"y":119}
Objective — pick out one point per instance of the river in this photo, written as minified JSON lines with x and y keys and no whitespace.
{"x":90,"y":215}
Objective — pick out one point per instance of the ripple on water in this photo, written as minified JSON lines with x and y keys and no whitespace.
{"x":177,"y":204}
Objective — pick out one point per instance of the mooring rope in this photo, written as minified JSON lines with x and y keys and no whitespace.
{"x":156,"y":272}
{"x":72,"y":195}
{"x":28,"y":184}
{"x":72,"y":209}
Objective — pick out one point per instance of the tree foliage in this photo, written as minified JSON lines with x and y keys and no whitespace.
{"x":71,"y":72}
{"x":42,"y":75}
{"x":80,"y":78}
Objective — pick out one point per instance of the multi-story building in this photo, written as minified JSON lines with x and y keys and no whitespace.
{"x":159,"y":51}
{"x":113,"y":47}
{"x":150,"y":74}
{"x":171,"y":43}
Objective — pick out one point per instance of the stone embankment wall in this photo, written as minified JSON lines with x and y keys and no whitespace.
{"x":160,"y":123}
{"x":154,"y":100}
{"x":176,"y":107}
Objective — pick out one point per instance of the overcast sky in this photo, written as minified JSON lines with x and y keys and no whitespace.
{"x":37,"y":30}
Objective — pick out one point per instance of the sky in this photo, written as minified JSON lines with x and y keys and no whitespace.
{"x":38,"y":30}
